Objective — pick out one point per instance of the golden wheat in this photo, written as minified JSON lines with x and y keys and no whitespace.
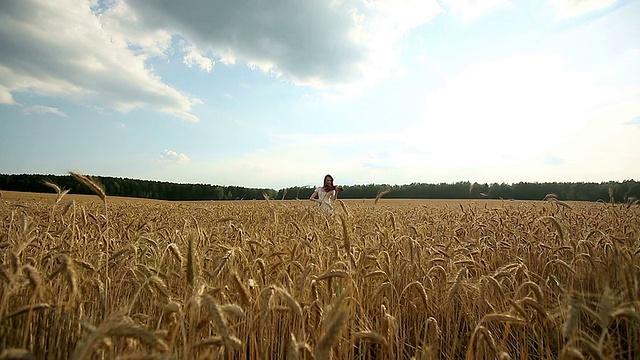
{"x":428,"y":280}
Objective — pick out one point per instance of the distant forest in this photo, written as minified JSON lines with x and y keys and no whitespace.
{"x":133,"y":188}
{"x":625,"y":191}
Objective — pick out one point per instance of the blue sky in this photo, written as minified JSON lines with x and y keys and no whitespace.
{"x":279,"y":93}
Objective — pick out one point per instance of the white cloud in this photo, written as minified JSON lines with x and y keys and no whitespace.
{"x":194,"y":57}
{"x":470,"y":10}
{"x":5,"y":96}
{"x":41,"y":109}
{"x":512,"y":115}
{"x":118,"y":20}
{"x":324,"y":44}
{"x":339,"y":45}
{"x":378,"y":26}
{"x":604,"y":148}
{"x":304,"y":39}
{"x":63,"y":49}
{"x":572,"y":8}
{"x":174,"y":157}
{"x":515,"y":119}
{"x":492,"y":126}
{"x":494,"y":107}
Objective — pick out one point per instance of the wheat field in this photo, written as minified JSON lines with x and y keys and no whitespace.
{"x":105,"y":278}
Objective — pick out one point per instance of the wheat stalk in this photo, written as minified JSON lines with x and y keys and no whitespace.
{"x":230,"y":341}
{"x":336,"y":319}
{"x":291,"y":301}
{"x":381,"y":194}
{"x":371,"y":336}
{"x":116,"y":326}
{"x":421,"y":291}
{"x":191,"y":262}
{"x":92,"y":184}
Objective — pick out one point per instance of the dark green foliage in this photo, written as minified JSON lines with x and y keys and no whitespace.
{"x":622,"y":191}
{"x":133,"y":188}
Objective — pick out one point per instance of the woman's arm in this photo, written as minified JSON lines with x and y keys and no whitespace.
{"x":314,"y":195}
{"x":336,"y":191}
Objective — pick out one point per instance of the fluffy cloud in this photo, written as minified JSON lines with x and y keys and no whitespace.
{"x":317,"y":43}
{"x":63,"y":49}
{"x":522,"y":113}
{"x":495,"y":106}
{"x":194,"y":57}
{"x":41,"y":109}
{"x":5,"y":96}
{"x":96,"y":52}
{"x":174,"y":157}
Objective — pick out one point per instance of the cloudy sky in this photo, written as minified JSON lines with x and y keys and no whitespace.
{"x":277,"y":93}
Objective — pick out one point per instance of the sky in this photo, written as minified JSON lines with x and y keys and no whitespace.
{"x":278,"y":93}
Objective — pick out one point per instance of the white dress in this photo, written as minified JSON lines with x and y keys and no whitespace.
{"x":325,"y":199}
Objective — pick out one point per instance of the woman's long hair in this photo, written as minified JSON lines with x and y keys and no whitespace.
{"x":328,"y":188}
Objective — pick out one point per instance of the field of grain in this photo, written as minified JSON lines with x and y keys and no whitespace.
{"x":85,"y":277}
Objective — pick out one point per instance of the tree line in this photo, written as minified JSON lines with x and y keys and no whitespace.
{"x":581,"y":191}
{"x":625,"y":191}
{"x":126,"y":187}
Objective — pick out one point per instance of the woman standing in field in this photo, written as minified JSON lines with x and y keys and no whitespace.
{"x":326,"y":194}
